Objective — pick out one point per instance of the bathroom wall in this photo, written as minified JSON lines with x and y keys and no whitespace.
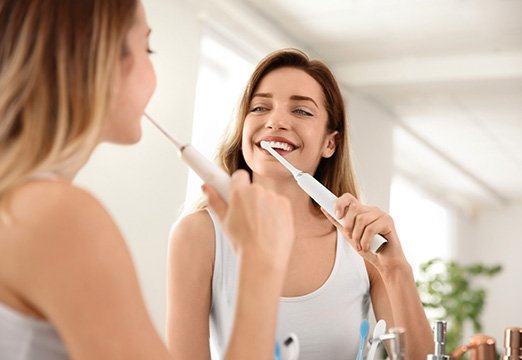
{"x":494,"y":237}
{"x":371,"y":136}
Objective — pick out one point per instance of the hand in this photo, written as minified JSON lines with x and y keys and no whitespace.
{"x":361,"y":224}
{"x":259,"y":222}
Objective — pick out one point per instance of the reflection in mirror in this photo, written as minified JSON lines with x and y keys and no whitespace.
{"x":433,"y":93}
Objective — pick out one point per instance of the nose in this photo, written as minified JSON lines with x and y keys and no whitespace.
{"x":277,"y":120}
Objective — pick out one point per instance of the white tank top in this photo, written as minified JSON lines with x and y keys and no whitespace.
{"x":326,"y":321}
{"x":25,"y":338}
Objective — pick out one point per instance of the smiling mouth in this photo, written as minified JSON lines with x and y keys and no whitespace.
{"x":278,"y":145}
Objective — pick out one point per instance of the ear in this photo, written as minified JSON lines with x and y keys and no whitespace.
{"x":330,"y":144}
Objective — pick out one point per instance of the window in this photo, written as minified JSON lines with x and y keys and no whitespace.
{"x":222,"y":76}
{"x":425,"y":226}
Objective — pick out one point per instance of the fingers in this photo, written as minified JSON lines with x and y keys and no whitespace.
{"x":360,"y":222}
{"x":259,"y":222}
{"x":239,"y":186}
{"x":240,"y":181}
{"x":364,"y":227}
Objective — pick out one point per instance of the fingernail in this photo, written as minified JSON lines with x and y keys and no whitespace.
{"x":338,"y":213}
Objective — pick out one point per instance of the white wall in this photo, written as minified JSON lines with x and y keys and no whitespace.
{"x":143,"y":185}
{"x":494,"y":237}
{"x":371,"y":136}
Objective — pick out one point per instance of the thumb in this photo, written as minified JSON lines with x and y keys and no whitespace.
{"x":215,"y":202}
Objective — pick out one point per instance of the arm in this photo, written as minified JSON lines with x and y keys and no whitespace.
{"x":396,"y":297}
{"x":263,"y":240}
{"x":189,"y":287}
{"x":394,"y":294}
{"x":74,"y":267}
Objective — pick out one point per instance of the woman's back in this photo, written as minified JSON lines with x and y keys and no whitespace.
{"x":63,"y":258}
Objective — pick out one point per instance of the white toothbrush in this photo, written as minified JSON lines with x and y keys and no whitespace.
{"x":378,"y":332}
{"x":209,"y":172}
{"x":317,"y":191}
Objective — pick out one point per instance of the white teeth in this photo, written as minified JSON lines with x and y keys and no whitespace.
{"x":279,"y":145}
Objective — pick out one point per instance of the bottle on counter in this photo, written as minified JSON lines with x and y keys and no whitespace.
{"x":439,"y":336}
{"x":512,"y":344}
{"x":480,"y":347}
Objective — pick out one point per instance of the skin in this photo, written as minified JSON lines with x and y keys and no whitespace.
{"x":81,"y":278}
{"x":288,"y":106}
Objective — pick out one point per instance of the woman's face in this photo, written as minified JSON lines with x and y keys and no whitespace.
{"x":134,"y":88}
{"x":288,"y":109}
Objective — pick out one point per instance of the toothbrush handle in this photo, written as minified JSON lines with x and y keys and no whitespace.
{"x":209,"y":172}
{"x":326,"y":199}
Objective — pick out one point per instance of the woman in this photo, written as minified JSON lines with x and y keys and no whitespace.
{"x":295,"y":104}
{"x":74,"y":74}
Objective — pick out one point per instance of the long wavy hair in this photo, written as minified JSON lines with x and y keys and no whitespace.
{"x":336,"y":172}
{"x":59,"y":60}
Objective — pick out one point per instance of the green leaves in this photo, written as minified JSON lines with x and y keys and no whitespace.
{"x":449,"y":288}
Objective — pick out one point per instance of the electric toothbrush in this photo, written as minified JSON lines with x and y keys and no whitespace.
{"x":209,"y":172}
{"x":318,"y":192}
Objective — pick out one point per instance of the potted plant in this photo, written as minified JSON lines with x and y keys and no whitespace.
{"x":447,"y":287}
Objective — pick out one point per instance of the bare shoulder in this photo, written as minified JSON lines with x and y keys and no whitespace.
{"x":196,"y":227}
{"x":196,"y":223}
{"x":56,"y":207}
{"x":71,"y":264}
{"x":54,"y":223}
{"x":193,"y":235}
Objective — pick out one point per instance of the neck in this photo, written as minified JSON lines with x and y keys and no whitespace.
{"x":67,"y":170}
{"x":307,"y":216}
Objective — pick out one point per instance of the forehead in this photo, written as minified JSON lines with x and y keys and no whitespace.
{"x":290,"y":81}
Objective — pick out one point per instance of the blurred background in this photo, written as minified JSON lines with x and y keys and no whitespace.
{"x":434,"y":97}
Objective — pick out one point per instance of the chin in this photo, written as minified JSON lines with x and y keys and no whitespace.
{"x":132,"y":138}
{"x":128,"y":138}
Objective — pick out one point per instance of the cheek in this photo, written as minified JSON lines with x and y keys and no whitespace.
{"x":128,"y":105}
{"x":140,"y":84}
{"x":247,"y":146}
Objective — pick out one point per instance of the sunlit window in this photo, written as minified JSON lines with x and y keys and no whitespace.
{"x":222,"y":76}
{"x":425,"y":226}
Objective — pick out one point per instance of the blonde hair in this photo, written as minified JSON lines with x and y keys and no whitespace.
{"x":58,"y":63}
{"x":336,"y":172}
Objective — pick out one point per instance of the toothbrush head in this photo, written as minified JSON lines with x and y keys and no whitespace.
{"x":266,"y":145}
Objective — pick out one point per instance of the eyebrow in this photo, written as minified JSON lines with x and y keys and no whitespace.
{"x":293,"y":97}
{"x":305,"y":98}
